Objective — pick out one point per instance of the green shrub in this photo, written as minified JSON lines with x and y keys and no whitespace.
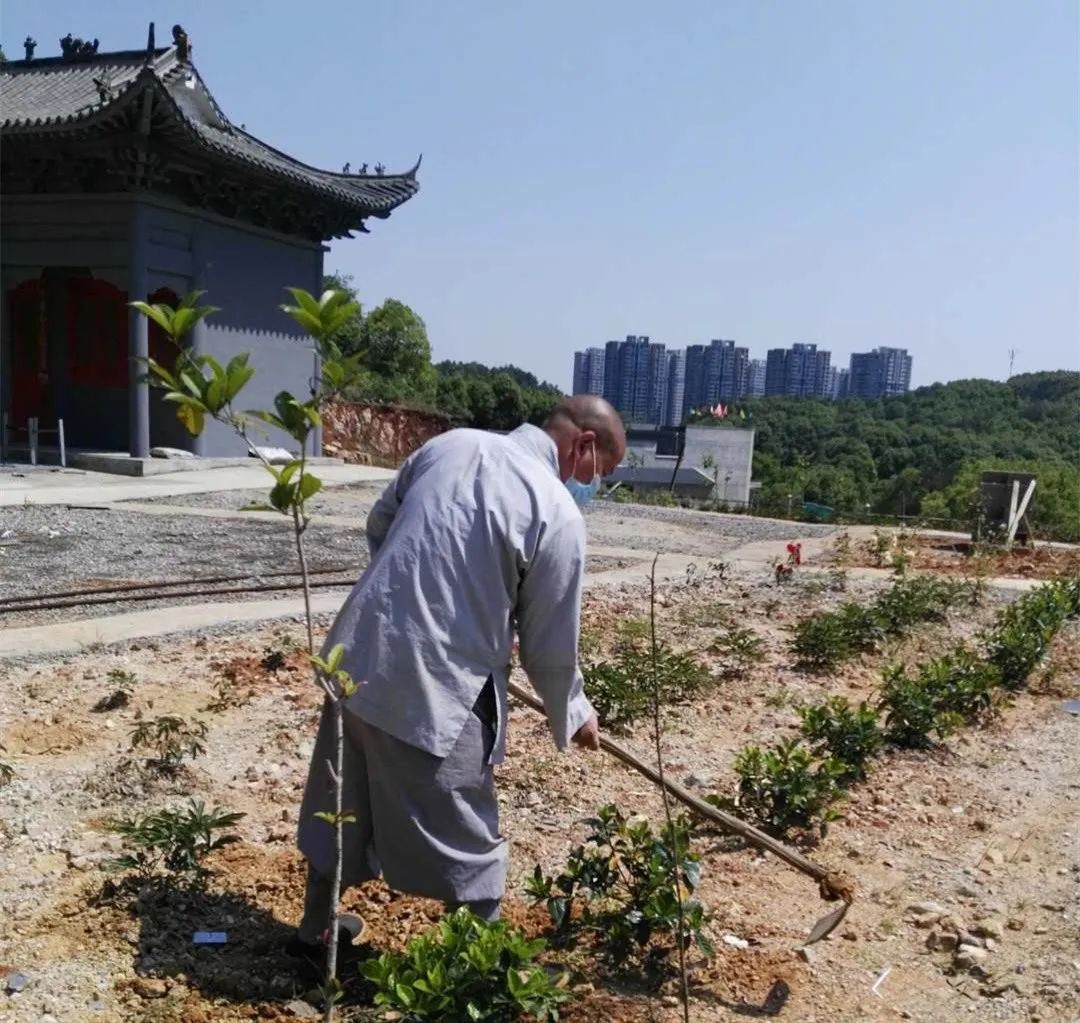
{"x":850,"y":735}
{"x":174,"y":841}
{"x":7,"y":772}
{"x":624,"y":878}
{"x":824,"y":641}
{"x":1025,"y":629}
{"x":620,"y":689}
{"x":962,"y":683}
{"x":912,"y":713}
{"x":124,"y":683}
{"x":171,"y":738}
{"x":785,"y":787}
{"x":466,"y":970}
{"x":738,"y":649}
{"x":913,"y":600}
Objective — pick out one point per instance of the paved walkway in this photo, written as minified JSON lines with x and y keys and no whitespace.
{"x":48,"y":485}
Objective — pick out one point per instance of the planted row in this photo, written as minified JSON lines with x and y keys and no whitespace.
{"x":824,"y":641}
{"x":796,"y":783}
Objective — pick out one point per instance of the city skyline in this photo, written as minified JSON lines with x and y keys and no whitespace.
{"x":649,"y":383}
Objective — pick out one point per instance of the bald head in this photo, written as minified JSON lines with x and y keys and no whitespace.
{"x":589,"y":436}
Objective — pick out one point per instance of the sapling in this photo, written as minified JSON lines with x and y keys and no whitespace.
{"x":171,"y":738}
{"x":203,"y":389}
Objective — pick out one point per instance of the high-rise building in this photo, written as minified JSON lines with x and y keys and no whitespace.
{"x":672,"y":412}
{"x":589,"y":371}
{"x":879,"y":374}
{"x":694,"y":395}
{"x":840,"y":390}
{"x":755,"y":386}
{"x":798,"y":371}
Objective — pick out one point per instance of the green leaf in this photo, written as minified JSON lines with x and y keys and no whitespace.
{"x":309,"y":486}
{"x":156,"y":313}
{"x":192,"y":418}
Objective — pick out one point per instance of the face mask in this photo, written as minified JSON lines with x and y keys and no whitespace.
{"x":583,"y":493}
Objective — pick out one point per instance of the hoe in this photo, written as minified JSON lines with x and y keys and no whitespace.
{"x":832,"y":886}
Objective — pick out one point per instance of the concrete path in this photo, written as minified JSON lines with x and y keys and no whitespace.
{"x":64,"y":638}
{"x":45,"y":485}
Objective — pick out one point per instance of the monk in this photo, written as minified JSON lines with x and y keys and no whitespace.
{"x":477,"y":535}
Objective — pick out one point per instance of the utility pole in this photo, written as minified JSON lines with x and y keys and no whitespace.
{"x":1012,"y":359}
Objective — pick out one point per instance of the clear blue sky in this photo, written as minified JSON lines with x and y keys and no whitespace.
{"x":851,"y":172}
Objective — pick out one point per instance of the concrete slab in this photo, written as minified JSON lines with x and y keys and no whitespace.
{"x":50,"y":485}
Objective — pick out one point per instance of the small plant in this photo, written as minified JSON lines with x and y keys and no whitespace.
{"x":623,"y":878}
{"x":123,"y":683}
{"x":170,"y":738}
{"x":619,"y":688}
{"x":7,"y":773}
{"x":824,"y":641}
{"x":912,"y":712}
{"x":785,"y":788}
{"x":842,"y":550}
{"x":881,"y":547}
{"x":174,"y":841}
{"x":962,"y":684}
{"x":1025,"y":629}
{"x":739,"y":650}
{"x":850,"y":735}
{"x":466,"y":969}
{"x":913,"y":600}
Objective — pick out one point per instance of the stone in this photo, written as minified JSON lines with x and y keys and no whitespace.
{"x":149,"y":987}
{"x":967,"y":891}
{"x":16,"y":982}
{"x":806,"y":954}
{"x":1015,"y":924}
{"x":735,"y":942}
{"x":989,"y":929}
{"x":926,"y":908}
{"x":995,"y":856}
{"x":302,"y":1010}
{"x":698,"y":781}
{"x":970,"y":957}
{"x":941,"y":941}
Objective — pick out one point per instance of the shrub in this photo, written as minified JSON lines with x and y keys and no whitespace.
{"x":850,"y":735}
{"x":171,"y":738}
{"x":824,"y":641}
{"x":466,"y":969}
{"x":7,"y":772}
{"x":626,"y":876}
{"x":962,"y":683}
{"x":620,"y":689}
{"x":1025,"y":629}
{"x":176,"y":841}
{"x":124,"y":683}
{"x":739,"y":650}
{"x":785,"y":787}
{"x":912,"y":713}
{"x":913,"y":600}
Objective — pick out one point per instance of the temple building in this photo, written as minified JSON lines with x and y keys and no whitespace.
{"x":121,"y":177}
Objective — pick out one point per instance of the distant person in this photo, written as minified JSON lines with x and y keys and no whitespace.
{"x":477,"y":534}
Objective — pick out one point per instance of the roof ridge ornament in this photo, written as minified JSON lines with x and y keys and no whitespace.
{"x":29,"y":45}
{"x":182,"y":42}
{"x":150,"y":47}
{"x":77,"y":49}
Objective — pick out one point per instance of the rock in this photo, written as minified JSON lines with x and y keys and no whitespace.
{"x":149,"y":987}
{"x":970,"y":957}
{"x":989,"y":929}
{"x":995,"y":856}
{"x":16,"y":982}
{"x":926,"y":920}
{"x":926,"y":908}
{"x":735,"y":942}
{"x":941,"y":941}
{"x":1015,"y":924}
{"x":967,"y":891}
{"x":698,"y":781}
{"x":806,"y":954}
{"x":302,"y":1010}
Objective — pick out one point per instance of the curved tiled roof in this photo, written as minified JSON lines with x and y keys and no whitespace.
{"x":57,"y":94}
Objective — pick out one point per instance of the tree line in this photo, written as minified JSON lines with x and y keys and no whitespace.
{"x":921,"y":453}
{"x":398,"y":370}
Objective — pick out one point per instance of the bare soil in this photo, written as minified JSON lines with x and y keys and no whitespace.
{"x":988,"y":827}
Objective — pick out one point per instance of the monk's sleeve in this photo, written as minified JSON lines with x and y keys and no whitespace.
{"x":549,"y":617}
{"x":381,"y":516}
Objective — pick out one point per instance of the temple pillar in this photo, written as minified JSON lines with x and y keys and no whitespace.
{"x":138,"y":337}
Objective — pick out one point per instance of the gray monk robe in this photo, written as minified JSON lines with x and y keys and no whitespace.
{"x":476,"y":533}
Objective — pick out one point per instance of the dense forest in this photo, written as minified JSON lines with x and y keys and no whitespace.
{"x":921,"y":453}
{"x":918,"y":454}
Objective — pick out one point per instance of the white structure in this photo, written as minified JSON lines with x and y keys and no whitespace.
{"x":724,"y":453}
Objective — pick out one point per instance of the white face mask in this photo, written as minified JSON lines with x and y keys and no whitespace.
{"x":583,"y":493}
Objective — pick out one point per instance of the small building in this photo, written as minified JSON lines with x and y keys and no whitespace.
{"x":683,"y":482}
{"x":723,"y":454}
{"x":121,"y":177}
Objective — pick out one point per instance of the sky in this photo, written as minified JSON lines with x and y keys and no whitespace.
{"x":851,"y":172}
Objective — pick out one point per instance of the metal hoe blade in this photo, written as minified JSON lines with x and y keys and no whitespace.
{"x":827,"y":924}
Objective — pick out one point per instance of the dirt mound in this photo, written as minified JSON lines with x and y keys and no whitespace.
{"x":378,"y":434}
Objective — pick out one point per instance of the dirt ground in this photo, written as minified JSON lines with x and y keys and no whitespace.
{"x":987,"y":828}
{"x":952,"y":555}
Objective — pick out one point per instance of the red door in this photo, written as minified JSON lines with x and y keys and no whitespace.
{"x":29,"y":353}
